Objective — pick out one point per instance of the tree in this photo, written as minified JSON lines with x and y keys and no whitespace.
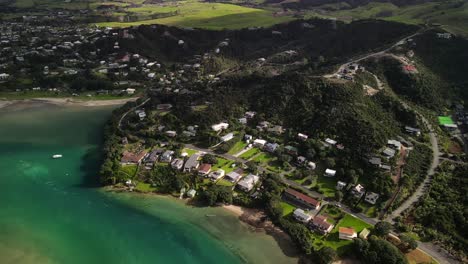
{"x":327,"y":255}
{"x":408,"y":242}
{"x":209,"y":158}
{"x":338,"y":196}
{"x":382,"y":229}
{"x":377,"y":250}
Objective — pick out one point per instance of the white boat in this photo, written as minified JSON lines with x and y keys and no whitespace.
{"x":57,"y":156}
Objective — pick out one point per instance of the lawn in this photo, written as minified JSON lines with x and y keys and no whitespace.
{"x":250,"y":153}
{"x":418,"y":256}
{"x":224,"y":182}
{"x":327,"y":185}
{"x":129,"y":170}
{"x":214,"y":16}
{"x":144,"y":187}
{"x":333,"y":240}
{"x":223,"y":164}
{"x":287,"y":208}
{"x":189,"y":151}
{"x":240,"y":145}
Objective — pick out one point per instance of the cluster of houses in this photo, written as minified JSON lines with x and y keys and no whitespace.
{"x":308,"y":214}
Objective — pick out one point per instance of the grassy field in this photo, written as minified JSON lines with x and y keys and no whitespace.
{"x":250,"y":153}
{"x":189,"y":151}
{"x":129,"y":170}
{"x":452,"y":14}
{"x":326,"y":185}
{"x":195,"y":14}
{"x":223,"y":164}
{"x":287,"y":208}
{"x":240,"y":145}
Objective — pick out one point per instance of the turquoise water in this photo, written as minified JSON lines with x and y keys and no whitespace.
{"x":51,"y":213}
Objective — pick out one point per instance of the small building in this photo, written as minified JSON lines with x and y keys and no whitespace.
{"x":259,"y":143}
{"x":167,"y":156}
{"x":389,"y":153}
{"x":311,"y":165}
{"x":192,"y":163}
{"x":130,"y":91}
{"x":220,"y":126}
{"x":204,"y":169}
{"x":371,"y":197}
{"x":248,"y":137}
{"x":152,"y":157}
{"x":330,"y":141}
{"x":250,"y":114}
{"x":191,"y":193}
{"x":394,"y":144}
{"x":278,"y":130}
{"x":358,"y":191}
{"x":340,"y":185}
{"x":301,"y":160}
{"x":291,"y":150}
{"x":301,"y":215}
{"x":233,"y":176}
{"x":364,"y":233}
{"x":171,"y":133}
{"x":132,"y":158}
{"x":376,"y":161}
{"x":330,"y":173}
{"x":347,"y":233}
{"x":413,"y":131}
{"x":302,"y":137}
{"x":177,"y":164}
{"x":216,"y":175}
{"x":163,"y":107}
{"x":321,"y":224}
{"x":301,"y":199}
{"x":247,"y":183}
{"x":271,"y":147}
{"x":227,"y":137}
{"x":242,"y":120}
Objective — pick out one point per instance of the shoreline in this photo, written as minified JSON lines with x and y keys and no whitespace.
{"x":65,"y":101}
{"x":255,"y":219}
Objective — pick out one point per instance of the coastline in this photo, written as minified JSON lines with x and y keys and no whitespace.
{"x":66,"y":101}
{"x":255,"y":219}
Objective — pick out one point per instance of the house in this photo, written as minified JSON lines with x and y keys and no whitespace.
{"x":248,"y":137}
{"x":177,"y":164}
{"x":301,"y":215}
{"x":167,"y":156}
{"x":375,"y":161}
{"x":242,"y":120}
{"x":263,"y":125}
{"x":171,"y":133}
{"x":385,"y":167}
{"x":389,"y":153}
{"x":132,"y":158}
{"x":220,"y":126}
{"x":358,"y":191}
{"x":394,"y":143}
{"x":364,"y":233}
{"x":340,"y":185}
{"x":322,"y":225}
{"x":4,"y":76}
{"x":141,"y":115}
{"x":311,"y":165}
{"x":259,"y":143}
{"x":247,"y":183}
{"x":163,"y":107}
{"x":130,"y":91}
{"x":302,"y":137}
{"x":216,"y":175}
{"x":249,"y":114}
{"x":152,"y":157}
{"x":233,"y":176}
{"x":444,"y":35}
{"x":291,"y":150}
{"x":347,"y":233}
{"x":191,"y":193}
{"x":302,"y":199}
{"x":192,"y":163}
{"x":330,"y":173}
{"x":330,"y":141}
{"x":371,"y":197}
{"x":413,"y":131}
{"x":227,"y":137}
{"x":301,"y":160}
{"x":271,"y":147}
{"x":278,"y":130}
{"x":204,"y":169}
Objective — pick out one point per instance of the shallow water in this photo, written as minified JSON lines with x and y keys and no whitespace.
{"x":49,"y":214}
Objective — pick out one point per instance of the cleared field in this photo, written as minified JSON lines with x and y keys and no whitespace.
{"x":452,"y":15}
{"x":215,"y":16}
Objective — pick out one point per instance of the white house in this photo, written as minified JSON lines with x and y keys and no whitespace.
{"x":301,"y":215}
{"x":340,"y":185}
{"x":227,"y":137}
{"x":358,"y":191}
{"x":191,"y":193}
{"x":248,"y":182}
{"x":330,"y":173}
{"x":215,"y":175}
{"x":311,"y":165}
{"x":220,"y":126}
{"x":330,"y":141}
{"x":302,"y":137}
{"x":4,"y":76}
{"x":130,"y":91}
{"x":259,"y":143}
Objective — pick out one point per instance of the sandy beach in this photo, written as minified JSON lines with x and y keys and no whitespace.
{"x":66,"y":101}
